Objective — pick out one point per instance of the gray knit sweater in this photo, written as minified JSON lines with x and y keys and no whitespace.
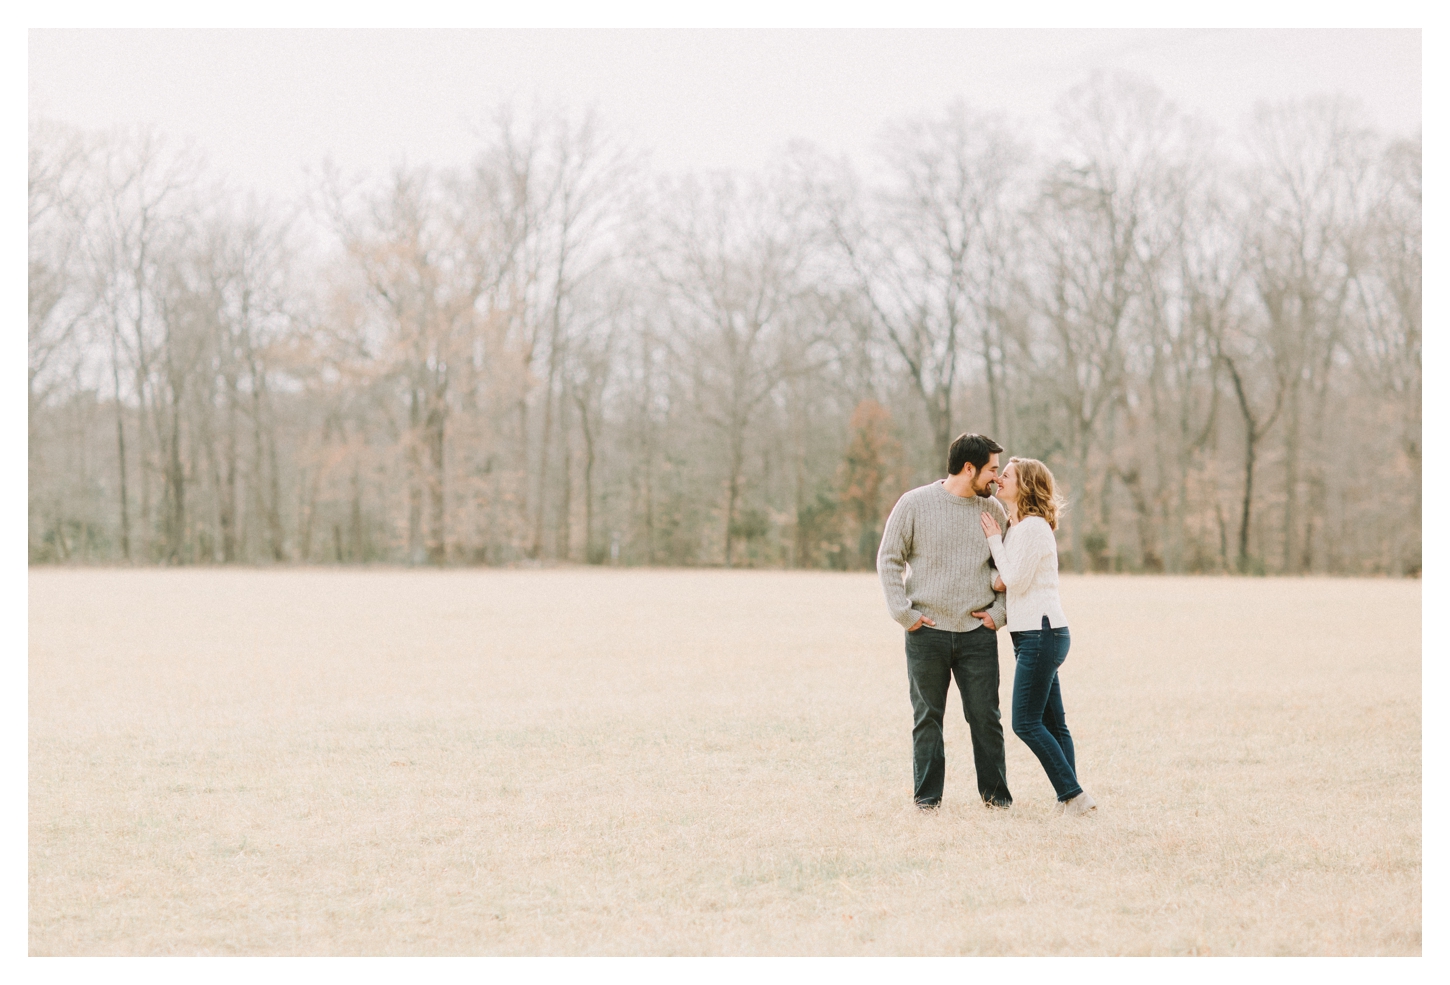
{"x":934,"y":558}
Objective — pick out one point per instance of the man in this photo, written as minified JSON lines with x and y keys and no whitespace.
{"x":934,"y":565}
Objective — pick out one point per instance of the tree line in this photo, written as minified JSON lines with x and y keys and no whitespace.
{"x":555,"y":353}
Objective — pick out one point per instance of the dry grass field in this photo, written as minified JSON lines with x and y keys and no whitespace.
{"x":702,"y":762}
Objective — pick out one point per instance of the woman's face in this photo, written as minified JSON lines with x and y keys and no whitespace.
{"x":1007,"y":484}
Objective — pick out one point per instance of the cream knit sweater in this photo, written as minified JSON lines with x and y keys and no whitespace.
{"x":1027,"y":562}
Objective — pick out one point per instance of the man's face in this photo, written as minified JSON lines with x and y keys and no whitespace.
{"x":982,"y":481}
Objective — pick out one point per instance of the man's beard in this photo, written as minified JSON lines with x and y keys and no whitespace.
{"x":985,"y":492}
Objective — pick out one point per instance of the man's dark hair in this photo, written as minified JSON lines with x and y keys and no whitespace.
{"x":975,"y":448}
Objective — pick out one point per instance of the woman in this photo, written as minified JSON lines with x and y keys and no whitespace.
{"x":1027,"y":572}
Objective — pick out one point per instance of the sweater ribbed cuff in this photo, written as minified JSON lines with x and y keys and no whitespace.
{"x":998,"y":612}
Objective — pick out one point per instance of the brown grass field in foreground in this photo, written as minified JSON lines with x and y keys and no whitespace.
{"x":582,"y":761}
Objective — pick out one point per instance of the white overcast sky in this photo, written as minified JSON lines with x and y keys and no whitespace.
{"x":264,"y":104}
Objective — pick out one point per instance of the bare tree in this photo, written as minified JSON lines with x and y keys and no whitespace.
{"x":1092,"y":227}
{"x":57,"y":211}
{"x":928,"y":253}
{"x":1257,"y":420}
{"x":587,"y":376}
{"x":142,"y":186}
{"x":1388,"y":294}
{"x":242,"y":270}
{"x":729,"y":258}
{"x":1188,"y":277}
{"x":1308,"y":200}
{"x":587,"y":174}
{"x":427,"y":263}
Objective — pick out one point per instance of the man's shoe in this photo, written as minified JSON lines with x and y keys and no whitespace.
{"x":997,"y":805}
{"x":926,"y":808}
{"x":1079,"y":805}
{"x":1057,"y":808}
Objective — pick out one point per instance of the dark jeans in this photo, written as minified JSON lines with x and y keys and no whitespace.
{"x":932,"y":657}
{"x":1037,"y":705}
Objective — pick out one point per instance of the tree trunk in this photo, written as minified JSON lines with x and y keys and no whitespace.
{"x":415,"y":477}
{"x":800,"y":552}
{"x":228,"y":485}
{"x":121,"y":449}
{"x":649,"y":497}
{"x":1291,"y":482}
{"x":1412,"y":563}
{"x":1316,"y":502}
{"x":306,"y":512}
{"x":357,"y":547}
{"x":175,"y":487}
{"x":545,"y":446}
{"x":737,"y":462}
{"x":1079,"y":541}
{"x":1222,"y":533}
{"x":1250,"y":440}
{"x":522,"y":478}
{"x":587,"y":432}
{"x":437,"y":505}
{"x":566,"y":485}
{"x":274,"y":508}
{"x":143,"y":372}
{"x":1254,"y":431}
{"x":173,"y":479}
{"x":1151,"y":558}
{"x":144,"y":464}
{"x":267,"y":484}
{"x":647,"y":440}
{"x":993,"y":399}
{"x":941,"y":408}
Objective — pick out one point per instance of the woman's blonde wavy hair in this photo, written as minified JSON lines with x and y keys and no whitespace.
{"x":1036,"y":494}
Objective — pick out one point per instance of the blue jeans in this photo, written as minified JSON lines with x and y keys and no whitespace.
{"x":1037,"y":716}
{"x":933,"y":657}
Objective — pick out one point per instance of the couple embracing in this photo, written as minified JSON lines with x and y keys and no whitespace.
{"x":936,"y":566}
